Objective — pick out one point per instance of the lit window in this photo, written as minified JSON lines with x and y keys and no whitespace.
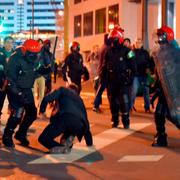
{"x":88,"y":24}
{"x":100,"y":21}
{"x":77,"y":26}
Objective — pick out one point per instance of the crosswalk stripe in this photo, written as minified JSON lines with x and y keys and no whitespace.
{"x":100,"y":141}
{"x":140,"y":158}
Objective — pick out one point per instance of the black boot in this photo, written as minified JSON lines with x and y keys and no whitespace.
{"x":160,"y":140}
{"x":115,"y":121}
{"x":125,"y":121}
{"x":27,"y":121}
{"x":7,"y":138}
{"x":12,"y":123}
{"x":21,"y":138}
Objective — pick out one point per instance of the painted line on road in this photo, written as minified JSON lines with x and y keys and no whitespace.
{"x":141,"y":158}
{"x":85,"y":94}
{"x":80,"y":150}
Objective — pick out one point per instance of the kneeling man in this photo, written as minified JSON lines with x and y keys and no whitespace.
{"x":69,"y":120}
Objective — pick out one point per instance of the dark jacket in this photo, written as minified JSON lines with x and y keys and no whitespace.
{"x":142,"y":62}
{"x":48,"y":59}
{"x":70,"y":103}
{"x":118,"y":66}
{"x":21,"y":73}
{"x":3,"y":67}
{"x":73,"y":66}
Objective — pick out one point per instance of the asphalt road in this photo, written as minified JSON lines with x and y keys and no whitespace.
{"x":116,"y":154}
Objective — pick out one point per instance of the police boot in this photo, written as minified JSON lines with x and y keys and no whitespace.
{"x":21,"y":134}
{"x":21,"y":138}
{"x":7,"y":138}
{"x":160,"y":140}
{"x":115,"y":121}
{"x":125,"y":121}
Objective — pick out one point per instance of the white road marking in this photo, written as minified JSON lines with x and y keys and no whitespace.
{"x":141,"y":158}
{"x":85,"y":94}
{"x":100,"y":141}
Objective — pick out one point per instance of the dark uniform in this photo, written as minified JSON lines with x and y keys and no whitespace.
{"x":160,"y":115}
{"x":73,"y":68}
{"x":3,"y":65}
{"x":118,"y":69}
{"x":167,"y":86}
{"x":70,"y":119}
{"x":21,"y":73}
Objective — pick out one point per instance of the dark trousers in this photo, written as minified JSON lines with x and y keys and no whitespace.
{"x":119,"y":99}
{"x":98,"y":98}
{"x":65,"y":124}
{"x":161,"y":113}
{"x":2,"y":98}
{"x":55,"y":76}
{"x":18,"y":108}
{"x":48,"y":84}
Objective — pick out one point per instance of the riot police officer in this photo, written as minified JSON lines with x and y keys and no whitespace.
{"x":166,"y":60}
{"x":118,"y":70}
{"x":21,"y":73}
{"x":3,"y":81}
{"x":73,"y":68}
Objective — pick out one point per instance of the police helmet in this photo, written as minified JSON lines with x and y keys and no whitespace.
{"x":165,"y":34}
{"x":116,"y":34}
{"x":75,"y":46}
{"x":31,"y":45}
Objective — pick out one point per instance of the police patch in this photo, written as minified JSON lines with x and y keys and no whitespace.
{"x":1,"y":67}
{"x":130,"y":54}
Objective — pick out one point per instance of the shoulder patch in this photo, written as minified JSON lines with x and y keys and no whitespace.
{"x":130,"y":54}
{"x":1,"y":67}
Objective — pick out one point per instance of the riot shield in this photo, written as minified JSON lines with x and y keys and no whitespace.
{"x":168,"y":68}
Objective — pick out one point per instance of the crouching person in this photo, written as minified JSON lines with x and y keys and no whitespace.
{"x":69,"y":120}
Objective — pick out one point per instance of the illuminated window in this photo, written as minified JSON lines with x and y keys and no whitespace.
{"x":77,"y":1}
{"x":77,"y":26}
{"x":88,"y":24}
{"x":113,"y":14}
{"x":100,"y":21}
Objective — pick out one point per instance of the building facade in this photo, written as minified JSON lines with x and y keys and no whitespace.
{"x":89,"y":20}
{"x":16,"y":15}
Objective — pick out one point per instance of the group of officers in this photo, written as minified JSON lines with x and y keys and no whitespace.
{"x":28,"y":62}
{"x":69,"y":116}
